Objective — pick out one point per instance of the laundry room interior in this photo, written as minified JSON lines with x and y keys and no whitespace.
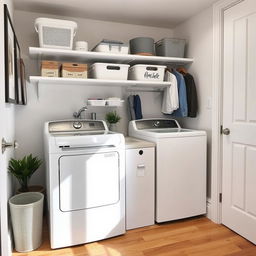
{"x":127,"y":127}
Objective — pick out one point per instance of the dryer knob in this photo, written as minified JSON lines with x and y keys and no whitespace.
{"x":77,"y":125}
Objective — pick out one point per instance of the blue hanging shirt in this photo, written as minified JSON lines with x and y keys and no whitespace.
{"x":137,"y":107}
{"x":182,"y":111}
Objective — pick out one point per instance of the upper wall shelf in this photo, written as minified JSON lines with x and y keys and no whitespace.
{"x":91,"y":57}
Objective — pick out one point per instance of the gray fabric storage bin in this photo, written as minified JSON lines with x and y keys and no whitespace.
{"x":171,"y":47}
{"x":142,"y":46}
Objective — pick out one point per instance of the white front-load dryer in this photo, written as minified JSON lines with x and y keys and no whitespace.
{"x":85,"y":182}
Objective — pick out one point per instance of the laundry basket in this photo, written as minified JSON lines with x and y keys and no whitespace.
{"x":55,"y":33}
{"x":27,"y":219}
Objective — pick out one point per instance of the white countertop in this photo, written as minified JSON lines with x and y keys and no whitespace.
{"x":131,"y":143}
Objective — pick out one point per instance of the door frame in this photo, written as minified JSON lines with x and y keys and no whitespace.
{"x":217,"y":94}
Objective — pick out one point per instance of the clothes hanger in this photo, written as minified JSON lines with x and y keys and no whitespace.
{"x":169,"y":70}
{"x":182,"y":70}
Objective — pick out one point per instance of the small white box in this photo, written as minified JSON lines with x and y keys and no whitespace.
{"x":114,"y":102}
{"x":147,"y":72}
{"x":55,"y":33}
{"x":96,"y":102}
{"x":111,"y":48}
{"x":109,"y":71}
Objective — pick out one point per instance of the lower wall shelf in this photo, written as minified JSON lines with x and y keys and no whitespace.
{"x":97,"y":82}
{"x":134,"y":85}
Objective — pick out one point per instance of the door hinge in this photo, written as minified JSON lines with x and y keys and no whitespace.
{"x":221,"y":129}
{"x":220,"y":197}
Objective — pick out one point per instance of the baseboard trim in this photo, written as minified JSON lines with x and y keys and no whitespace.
{"x":208,"y":210}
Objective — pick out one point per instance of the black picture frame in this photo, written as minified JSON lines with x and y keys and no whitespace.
{"x":18,"y":81}
{"x":9,"y":51}
{"x":23,"y":82}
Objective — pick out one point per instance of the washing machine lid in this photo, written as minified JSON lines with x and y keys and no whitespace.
{"x":160,"y":128}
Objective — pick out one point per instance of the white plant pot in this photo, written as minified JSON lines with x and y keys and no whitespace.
{"x":27,"y":219}
{"x":113,"y":127}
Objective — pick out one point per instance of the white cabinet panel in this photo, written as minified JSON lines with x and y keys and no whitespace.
{"x":140,"y":184}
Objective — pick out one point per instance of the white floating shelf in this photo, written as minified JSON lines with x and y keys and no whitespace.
{"x":91,"y":57}
{"x":40,"y":80}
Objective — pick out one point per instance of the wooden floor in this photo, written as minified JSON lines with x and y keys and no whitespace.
{"x":197,"y":236}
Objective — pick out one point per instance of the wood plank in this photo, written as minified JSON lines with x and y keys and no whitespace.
{"x":196,"y":236}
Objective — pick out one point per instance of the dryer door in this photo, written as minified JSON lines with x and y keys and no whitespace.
{"x":88,"y":180}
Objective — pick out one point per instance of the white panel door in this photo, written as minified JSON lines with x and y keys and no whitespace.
{"x":7,"y":132}
{"x":239,"y":116}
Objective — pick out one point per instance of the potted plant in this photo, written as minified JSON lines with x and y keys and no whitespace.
{"x":112,"y":118}
{"x":23,"y":169}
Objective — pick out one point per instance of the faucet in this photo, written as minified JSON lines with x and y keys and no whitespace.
{"x":79,"y":112}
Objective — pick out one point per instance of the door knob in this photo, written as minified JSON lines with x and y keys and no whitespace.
{"x":6,"y":145}
{"x":226,"y":131}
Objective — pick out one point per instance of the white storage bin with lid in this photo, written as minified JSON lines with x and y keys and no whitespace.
{"x":147,"y":72}
{"x":109,"y":71}
{"x":55,"y":33}
{"x":109,"y":46}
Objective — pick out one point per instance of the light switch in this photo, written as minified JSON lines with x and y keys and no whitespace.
{"x":209,"y":103}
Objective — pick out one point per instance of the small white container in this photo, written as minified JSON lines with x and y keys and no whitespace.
{"x":109,"y":71}
{"x":96,"y":102}
{"x":111,"y":47}
{"x":81,"y":46}
{"x":55,"y":33}
{"x":114,"y":102}
{"x":147,"y":72}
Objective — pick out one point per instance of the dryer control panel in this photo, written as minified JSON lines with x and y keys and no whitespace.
{"x":70,"y":126}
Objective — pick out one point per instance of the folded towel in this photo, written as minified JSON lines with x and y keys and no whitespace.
{"x":171,"y":96}
{"x":131,"y":107}
{"x":137,"y":107}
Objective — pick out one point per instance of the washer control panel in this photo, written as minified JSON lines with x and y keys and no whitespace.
{"x":156,"y":124}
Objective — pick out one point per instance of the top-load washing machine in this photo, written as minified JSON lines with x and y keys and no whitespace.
{"x":85,"y":171}
{"x":180,"y":167}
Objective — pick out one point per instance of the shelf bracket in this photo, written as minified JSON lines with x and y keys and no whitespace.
{"x":37,"y":90}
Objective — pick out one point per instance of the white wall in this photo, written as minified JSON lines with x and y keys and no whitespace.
{"x":59,"y":102}
{"x":7,"y":130}
{"x":199,"y":33}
